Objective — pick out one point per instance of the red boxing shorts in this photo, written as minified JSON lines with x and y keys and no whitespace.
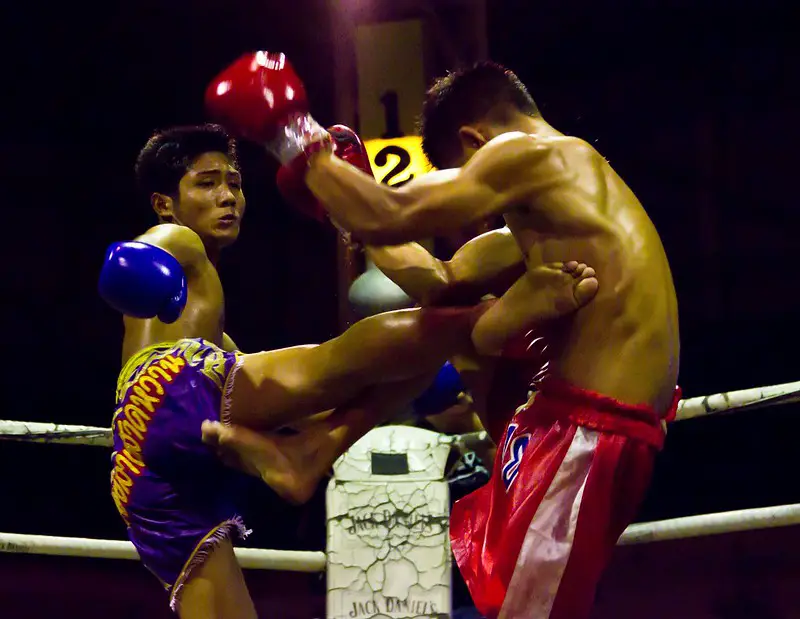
{"x":569,"y":477}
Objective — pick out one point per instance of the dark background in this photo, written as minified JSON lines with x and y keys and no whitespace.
{"x":692,"y":103}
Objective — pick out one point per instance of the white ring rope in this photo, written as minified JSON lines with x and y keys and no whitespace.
{"x":737,"y":400}
{"x":305,"y":561}
{"x":711,"y":524}
{"x":744,"y":399}
{"x":36,"y":432}
{"x":252,"y":558}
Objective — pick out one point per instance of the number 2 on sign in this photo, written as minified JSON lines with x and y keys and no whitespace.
{"x":402,"y":164}
{"x":513,"y":448}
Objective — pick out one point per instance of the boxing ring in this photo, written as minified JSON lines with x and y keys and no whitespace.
{"x":705,"y":525}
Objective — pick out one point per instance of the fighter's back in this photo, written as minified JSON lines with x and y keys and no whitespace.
{"x":625,"y":343}
{"x":203,"y":316}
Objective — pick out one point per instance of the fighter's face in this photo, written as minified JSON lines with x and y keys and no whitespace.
{"x":210,"y":200}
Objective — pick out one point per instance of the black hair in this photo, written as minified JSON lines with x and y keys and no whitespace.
{"x":464,"y":97}
{"x":168,"y":154}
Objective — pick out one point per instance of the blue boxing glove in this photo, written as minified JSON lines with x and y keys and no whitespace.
{"x":441,"y":395}
{"x":143,"y":281}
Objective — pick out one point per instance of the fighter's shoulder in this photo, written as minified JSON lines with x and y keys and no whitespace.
{"x":182,"y":242}
{"x":172,"y":232}
{"x":510,"y":146}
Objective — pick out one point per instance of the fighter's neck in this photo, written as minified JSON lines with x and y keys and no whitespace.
{"x":538,"y":127}
{"x":213,"y":253}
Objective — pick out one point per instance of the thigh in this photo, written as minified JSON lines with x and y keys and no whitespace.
{"x":273,"y":388}
{"x":217,"y":590}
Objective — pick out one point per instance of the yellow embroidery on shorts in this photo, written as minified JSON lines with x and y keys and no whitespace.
{"x":130,"y":423}
{"x":140,"y":391}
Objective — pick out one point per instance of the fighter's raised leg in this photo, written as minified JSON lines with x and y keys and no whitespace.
{"x":270,"y":389}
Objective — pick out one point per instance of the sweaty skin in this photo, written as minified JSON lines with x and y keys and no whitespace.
{"x":211,"y":201}
{"x":560,"y":198}
{"x":294,"y":465}
{"x":277,"y":387}
{"x":204,"y":315}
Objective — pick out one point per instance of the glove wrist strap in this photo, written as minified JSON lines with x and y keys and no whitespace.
{"x":300,"y":136}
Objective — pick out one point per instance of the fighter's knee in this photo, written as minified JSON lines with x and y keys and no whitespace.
{"x":486,"y":342}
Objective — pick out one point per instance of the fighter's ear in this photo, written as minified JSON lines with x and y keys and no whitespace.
{"x":163,"y":205}
{"x":471,"y":138}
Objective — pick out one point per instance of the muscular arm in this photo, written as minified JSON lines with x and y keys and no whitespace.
{"x":184,"y":244}
{"x":488,"y":264}
{"x":508,"y":171}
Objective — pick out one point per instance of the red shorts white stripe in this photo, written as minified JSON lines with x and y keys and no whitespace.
{"x":568,"y":478}
{"x":548,"y":542}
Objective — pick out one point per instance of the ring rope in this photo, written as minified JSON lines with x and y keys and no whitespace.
{"x":54,"y":433}
{"x":307,"y":561}
{"x":711,"y":524}
{"x":250,"y":558}
{"x":743,"y":399}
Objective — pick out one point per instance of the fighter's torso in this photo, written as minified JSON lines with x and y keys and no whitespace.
{"x":203,"y":317}
{"x":625,"y":343}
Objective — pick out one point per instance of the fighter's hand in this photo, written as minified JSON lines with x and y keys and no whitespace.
{"x":347,"y":145}
{"x":143,"y":281}
{"x":261,"y":98}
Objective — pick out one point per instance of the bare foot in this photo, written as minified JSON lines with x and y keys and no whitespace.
{"x":584,"y":284}
{"x":560,"y":288}
{"x":285,"y":463}
{"x":543,"y":293}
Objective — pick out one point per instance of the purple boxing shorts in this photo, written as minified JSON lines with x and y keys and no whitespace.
{"x":175,"y":496}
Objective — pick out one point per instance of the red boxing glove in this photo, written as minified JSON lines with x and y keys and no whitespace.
{"x":261,"y":98}
{"x":291,"y":177}
{"x":349,"y":147}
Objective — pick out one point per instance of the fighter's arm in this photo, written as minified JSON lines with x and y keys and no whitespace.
{"x":507,"y":172}
{"x":184,"y":244}
{"x":487,"y":264}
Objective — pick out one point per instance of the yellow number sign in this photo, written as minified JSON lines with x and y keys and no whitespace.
{"x":396,"y":161}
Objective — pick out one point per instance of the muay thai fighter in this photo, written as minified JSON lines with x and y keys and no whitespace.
{"x":575,"y":463}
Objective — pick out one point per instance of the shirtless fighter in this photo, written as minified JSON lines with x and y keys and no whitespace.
{"x":575,"y":463}
{"x":182,"y":375}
